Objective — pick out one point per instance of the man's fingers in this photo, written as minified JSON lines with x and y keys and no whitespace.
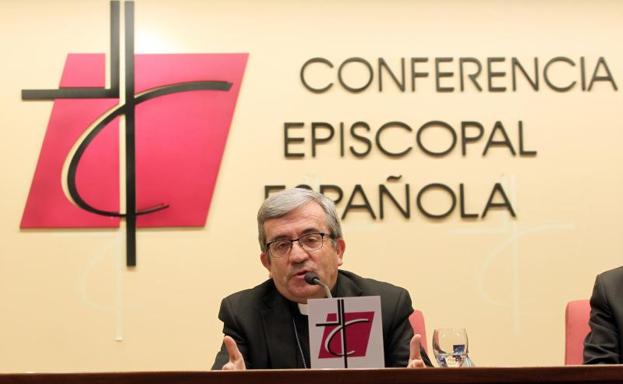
{"x":416,"y":364}
{"x":415,"y":357}
{"x":414,"y":348}
{"x":232,"y":349}
{"x":236,"y":361}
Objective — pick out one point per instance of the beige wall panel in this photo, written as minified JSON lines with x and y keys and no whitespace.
{"x":68,"y":303}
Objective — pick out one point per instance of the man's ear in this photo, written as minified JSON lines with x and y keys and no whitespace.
{"x":265,"y":260}
{"x":340,"y":247}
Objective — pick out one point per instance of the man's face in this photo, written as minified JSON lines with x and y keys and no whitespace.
{"x":288,"y":271}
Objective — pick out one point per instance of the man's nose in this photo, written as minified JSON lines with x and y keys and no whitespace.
{"x":297,"y":253}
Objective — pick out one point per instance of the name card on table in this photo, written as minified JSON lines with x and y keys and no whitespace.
{"x":346,"y":332}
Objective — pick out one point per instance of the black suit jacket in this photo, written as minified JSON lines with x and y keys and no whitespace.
{"x":604,"y":343}
{"x":260,"y":321}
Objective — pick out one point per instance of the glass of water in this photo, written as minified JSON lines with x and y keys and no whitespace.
{"x":450,"y":346}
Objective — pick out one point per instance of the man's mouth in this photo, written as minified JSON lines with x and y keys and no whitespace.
{"x":301,"y":273}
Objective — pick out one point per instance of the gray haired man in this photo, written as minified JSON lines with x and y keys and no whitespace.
{"x":266,"y":326}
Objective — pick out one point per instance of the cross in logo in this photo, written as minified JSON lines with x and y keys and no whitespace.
{"x":129,"y":100}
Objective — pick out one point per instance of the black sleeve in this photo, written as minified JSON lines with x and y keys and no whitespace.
{"x":601,"y":345}
{"x":227,"y":316}
{"x":400,"y":333}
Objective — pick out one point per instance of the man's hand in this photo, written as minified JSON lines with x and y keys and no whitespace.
{"x":415,"y":359}
{"x":236,"y":361}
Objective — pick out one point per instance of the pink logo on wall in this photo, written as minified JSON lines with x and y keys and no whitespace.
{"x":177,"y":110}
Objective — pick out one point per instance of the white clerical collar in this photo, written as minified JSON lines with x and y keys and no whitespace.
{"x":303,"y":309}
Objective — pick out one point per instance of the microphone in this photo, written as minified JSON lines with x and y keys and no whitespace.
{"x":312,"y":278}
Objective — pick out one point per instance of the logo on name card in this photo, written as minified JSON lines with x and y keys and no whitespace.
{"x":172,"y":112}
{"x":351,"y":330}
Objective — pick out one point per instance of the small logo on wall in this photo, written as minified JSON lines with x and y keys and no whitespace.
{"x":176,"y":110}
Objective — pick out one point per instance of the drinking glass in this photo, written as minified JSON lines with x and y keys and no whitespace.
{"x":450,"y":346}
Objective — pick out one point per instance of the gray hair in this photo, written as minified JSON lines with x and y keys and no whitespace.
{"x":283,"y":202}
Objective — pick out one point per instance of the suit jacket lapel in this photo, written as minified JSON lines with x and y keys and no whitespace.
{"x":279,"y":332}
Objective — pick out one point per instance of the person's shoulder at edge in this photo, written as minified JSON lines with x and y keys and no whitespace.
{"x":615,"y":274}
{"x":601,"y":343}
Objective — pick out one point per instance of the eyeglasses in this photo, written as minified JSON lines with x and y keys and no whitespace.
{"x":309,"y":242}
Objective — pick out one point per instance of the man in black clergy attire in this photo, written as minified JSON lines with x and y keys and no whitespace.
{"x":266,"y":326}
{"x":604,"y":343}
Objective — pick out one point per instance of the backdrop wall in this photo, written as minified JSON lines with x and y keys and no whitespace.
{"x":68,"y":302}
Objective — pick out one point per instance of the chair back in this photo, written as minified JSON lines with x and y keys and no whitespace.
{"x":576,"y":329}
